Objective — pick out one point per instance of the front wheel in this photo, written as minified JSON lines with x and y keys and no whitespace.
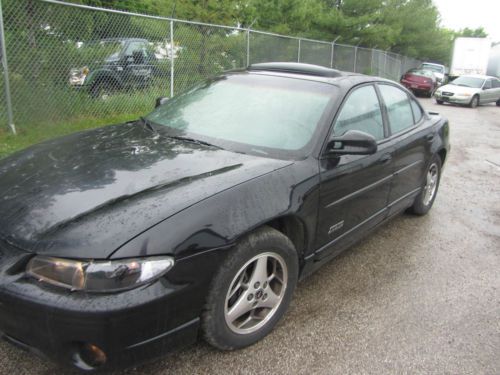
{"x":251,"y":291}
{"x":101,"y":90}
{"x":424,"y":200}
{"x":439,"y":101}
{"x":474,"y":101}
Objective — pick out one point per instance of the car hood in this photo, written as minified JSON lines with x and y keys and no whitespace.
{"x":459,"y":89}
{"x":85,"y":195}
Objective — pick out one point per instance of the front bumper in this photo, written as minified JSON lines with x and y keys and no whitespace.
{"x":454,"y":99}
{"x":414,"y":86}
{"x":129,"y":327}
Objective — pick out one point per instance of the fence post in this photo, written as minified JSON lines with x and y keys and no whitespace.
{"x":371,"y":62}
{"x":331,"y":57}
{"x":385,"y":64}
{"x":171,"y":58}
{"x":333,"y":47}
{"x":355,"y":58}
{"x":5,"y":70}
{"x":248,"y":47}
{"x":298,"y":53}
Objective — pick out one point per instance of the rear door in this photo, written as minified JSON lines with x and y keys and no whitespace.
{"x":354,"y":188}
{"x":411,"y":139}
{"x":495,"y":83}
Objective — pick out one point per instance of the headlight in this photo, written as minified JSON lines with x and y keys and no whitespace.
{"x":77,"y":76}
{"x":438,"y":92}
{"x":98,"y":276}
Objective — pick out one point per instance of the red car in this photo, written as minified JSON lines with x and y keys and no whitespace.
{"x":420,"y":81}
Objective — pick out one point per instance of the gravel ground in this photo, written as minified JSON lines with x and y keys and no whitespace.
{"x":421,"y":295}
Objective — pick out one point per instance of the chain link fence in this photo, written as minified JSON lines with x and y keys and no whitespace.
{"x":69,"y":63}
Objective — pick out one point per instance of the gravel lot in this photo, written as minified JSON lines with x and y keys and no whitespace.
{"x":420,"y":295}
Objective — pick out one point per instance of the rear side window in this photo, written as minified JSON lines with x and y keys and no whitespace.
{"x":417,"y":111}
{"x":361,"y":111}
{"x":399,"y":110}
{"x":496,"y":83}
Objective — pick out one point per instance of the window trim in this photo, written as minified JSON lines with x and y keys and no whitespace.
{"x":339,"y":110}
{"x":485,"y":82}
{"x":406,"y":130}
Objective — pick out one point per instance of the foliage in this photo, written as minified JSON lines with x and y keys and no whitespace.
{"x":43,"y":43}
{"x":403,"y":26}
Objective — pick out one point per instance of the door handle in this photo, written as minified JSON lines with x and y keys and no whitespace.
{"x":384,"y":159}
{"x":429,"y":137}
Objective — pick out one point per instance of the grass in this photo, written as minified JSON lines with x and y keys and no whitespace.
{"x":29,"y":135}
{"x":45,"y":112}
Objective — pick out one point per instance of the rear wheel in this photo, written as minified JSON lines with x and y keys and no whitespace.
{"x":251,"y":291}
{"x":425,"y":199}
{"x":474,"y":101}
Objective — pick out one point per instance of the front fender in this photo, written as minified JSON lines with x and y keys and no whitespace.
{"x":105,"y":74}
{"x":218,"y":222}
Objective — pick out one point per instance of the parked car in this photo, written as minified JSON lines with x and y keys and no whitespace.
{"x":438,"y":70}
{"x":123,"y":242}
{"x":420,"y":81}
{"x":470,"y":90}
{"x":114,"y":64}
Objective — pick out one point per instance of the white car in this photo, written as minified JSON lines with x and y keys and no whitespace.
{"x":470,"y":90}
{"x":438,"y":70}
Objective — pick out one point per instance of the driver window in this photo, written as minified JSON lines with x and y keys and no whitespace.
{"x":135,"y":46}
{"x":487,"y":84}
{"x":361,"y":111}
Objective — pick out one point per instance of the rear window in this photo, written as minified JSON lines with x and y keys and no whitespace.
{"x":398,"y":106}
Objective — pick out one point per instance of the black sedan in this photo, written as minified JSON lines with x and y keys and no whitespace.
{"x":121,"y":243}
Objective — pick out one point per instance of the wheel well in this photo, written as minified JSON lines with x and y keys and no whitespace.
{"x":442,"y":155}
{"x":294,"y":229}
{"x":106,"y":79}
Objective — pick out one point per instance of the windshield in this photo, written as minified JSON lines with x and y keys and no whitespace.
{"x":249,"y":113}
{"x":424,"y":73}
{"x":474,"y":82}
{"x":434,"y":68}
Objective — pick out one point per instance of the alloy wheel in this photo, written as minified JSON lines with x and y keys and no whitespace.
{"x":256,"y":293}
{"x":431,"y":184}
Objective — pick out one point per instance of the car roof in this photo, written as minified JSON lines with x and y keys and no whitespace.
{"x":431,"y":63}
{"x":312,"y":72}
{"x":477,"y":76}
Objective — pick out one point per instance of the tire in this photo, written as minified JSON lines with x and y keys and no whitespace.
{"x":498,"y":103}
{"x":439,"y":101}
{"x":101,"y":90}
{"x":474,"y":102}
{"x":425,"y":199}
{"x":236,"y":284}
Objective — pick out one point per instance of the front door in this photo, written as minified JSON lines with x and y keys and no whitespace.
{"x":354,"y":189}
{"x":138,"y":68}
{"x":407,"y":125}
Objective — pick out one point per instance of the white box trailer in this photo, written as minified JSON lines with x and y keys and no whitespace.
{"x":470,"y":56}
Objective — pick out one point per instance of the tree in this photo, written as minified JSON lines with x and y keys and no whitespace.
{"x":472,"y":33}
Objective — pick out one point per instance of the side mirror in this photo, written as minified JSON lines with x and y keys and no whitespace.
{"x":161,"y":100}
{"x":353,"y":142}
